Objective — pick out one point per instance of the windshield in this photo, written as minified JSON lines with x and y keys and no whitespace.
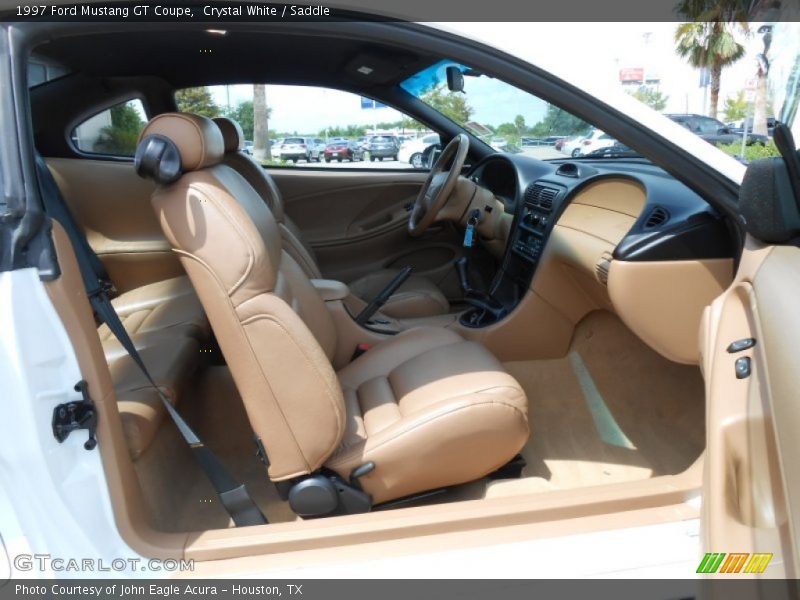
{"x":503,"y":116}
{"x":733,"y":106}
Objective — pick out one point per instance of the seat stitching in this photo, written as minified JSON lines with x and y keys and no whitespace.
{"x":349,"y":456}
{"x":228,"y":217}
{"x":331,"y":392}
{"x":250,"y":346}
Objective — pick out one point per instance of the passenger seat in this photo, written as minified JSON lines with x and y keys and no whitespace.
{"x":425,"y":409}
{"x":417,"y":297}
{"x":164,"y":319}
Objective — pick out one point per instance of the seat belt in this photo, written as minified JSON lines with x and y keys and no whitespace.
{"x":233,"y":496}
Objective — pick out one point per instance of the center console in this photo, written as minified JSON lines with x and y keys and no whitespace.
{"x":541,"y":204}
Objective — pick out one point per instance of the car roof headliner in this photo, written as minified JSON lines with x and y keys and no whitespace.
{"x":193,"y":57}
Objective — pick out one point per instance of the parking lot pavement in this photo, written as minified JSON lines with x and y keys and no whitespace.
{"x":540,"y":152}
{"x":359,"y":164}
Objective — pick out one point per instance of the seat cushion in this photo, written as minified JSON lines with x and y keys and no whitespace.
{"x":165,"y":309}
{"x":417,"y":297}
{"x":168,"y":326}
{"x":171,"y":364}
{"x":430,"y":410}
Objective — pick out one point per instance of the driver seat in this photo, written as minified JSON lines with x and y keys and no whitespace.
{"x":417,"y":297}
{"x":424,"y":409}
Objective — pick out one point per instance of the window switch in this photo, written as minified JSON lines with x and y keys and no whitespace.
{"x":742,"y":367}
{"x":740,"y":345}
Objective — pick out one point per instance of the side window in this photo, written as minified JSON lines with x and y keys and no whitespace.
{"x":311,"y":126}
{"x":113,"y":131}
{"x":708,"y":126}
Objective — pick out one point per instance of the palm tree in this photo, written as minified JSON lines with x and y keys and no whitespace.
{"x":761,"y":110}
{"x":708,"y":41}
{"x":261,"y":147}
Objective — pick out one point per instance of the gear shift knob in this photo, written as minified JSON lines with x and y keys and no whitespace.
{"x":462,"y":268}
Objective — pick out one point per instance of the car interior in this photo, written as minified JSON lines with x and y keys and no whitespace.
{"x":329,"y":334}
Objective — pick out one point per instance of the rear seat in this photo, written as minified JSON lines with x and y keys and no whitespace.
{"x":167,"y":325}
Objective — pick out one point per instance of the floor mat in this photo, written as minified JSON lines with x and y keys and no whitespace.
{"x":612,"y":410}
{"x":179,"y":495}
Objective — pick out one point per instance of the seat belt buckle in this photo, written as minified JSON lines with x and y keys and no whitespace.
{"x":105,"y":288}
{"x":361,"y":348}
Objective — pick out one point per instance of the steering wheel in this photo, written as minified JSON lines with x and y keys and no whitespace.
{"x":440,"y":183}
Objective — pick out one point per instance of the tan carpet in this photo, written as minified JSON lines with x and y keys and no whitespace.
{"x":612,"y":410}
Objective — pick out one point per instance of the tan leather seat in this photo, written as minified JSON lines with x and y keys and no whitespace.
{"x":164,"y":309}
{"x":417,"y":297}
{"x":427,"y":408}
{"x":166,"y":323}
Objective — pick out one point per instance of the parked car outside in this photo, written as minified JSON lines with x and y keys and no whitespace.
{"x":248,"y":147}
{"x":345,"y":150}
{"x":302,"y":148}
{"x":595,"y":140}
{"x":383,"y":146}
{"x":412,"y":150}
{"x":714,"y":131}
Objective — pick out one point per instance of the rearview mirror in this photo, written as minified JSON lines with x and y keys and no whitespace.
{"x":455,"y":79}
{"x":723,"y":131}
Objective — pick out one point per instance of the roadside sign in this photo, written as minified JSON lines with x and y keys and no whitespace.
{"x":478,"y":128}
{"x":368,"y":103}
{"x":631,"y":75}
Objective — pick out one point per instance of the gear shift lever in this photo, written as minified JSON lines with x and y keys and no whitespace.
{"x":462,"y":268}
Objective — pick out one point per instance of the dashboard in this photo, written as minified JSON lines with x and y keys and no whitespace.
{"x":604,"y":210}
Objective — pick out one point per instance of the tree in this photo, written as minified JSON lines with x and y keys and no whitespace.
{"x":121,"y":136}
{"x":559,"y":122}
{"x":261,"y":146}
{"x":197,"y":100}
{"x":736,"y":107}
{"x":708,"y":41}
{"x":519,"y":125}
{"x":451,"y":104}
{"x":243,"y":114}
{"x":761,"y":107}
{"x":652,"y":97}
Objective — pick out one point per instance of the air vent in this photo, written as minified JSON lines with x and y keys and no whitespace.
{"x":568,"y":170}
{"x":658,"y":216}
{"x":541,"y":196}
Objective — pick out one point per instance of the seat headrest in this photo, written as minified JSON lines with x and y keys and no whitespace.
{"x":158,"y":158}
{"x":197,"y":139}
{"x":232,"y":134}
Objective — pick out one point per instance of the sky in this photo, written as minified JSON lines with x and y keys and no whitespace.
{"x":590,"y":53}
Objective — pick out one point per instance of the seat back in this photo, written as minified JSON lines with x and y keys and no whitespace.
{"x":256,"y":176}
{"x":272,"y":326}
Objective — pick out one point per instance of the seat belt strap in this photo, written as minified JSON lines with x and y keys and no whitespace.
{"x":233,"y":495}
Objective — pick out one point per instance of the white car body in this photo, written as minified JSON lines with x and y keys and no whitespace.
{"x":418,"y":146}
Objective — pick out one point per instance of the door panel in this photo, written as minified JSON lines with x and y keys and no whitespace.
{"x":751,"y":483}
{"x":112,"y":203}
{"x":356,"y":223}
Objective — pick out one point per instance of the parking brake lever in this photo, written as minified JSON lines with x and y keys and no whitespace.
{"x":462,"y":269}
{"x":386,"y":293}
